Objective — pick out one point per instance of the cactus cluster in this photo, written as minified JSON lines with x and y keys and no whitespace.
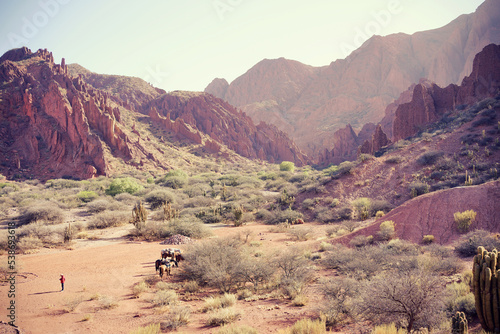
{"x":459,"y":323}
{"x":485,"y":284}
{"x":139,"y":215}
{"x":169,"y":213}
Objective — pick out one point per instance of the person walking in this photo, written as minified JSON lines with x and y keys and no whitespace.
{"x":62,"y":279}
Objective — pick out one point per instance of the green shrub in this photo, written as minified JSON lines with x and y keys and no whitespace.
{"x":287,"y":166}
{"x":362,"y":206}
{"x":87,"y":196}
{"x":387,"y":230}
{"x":157,"y":198}
{"x":464,"y":220}
{"x":123,"y":185}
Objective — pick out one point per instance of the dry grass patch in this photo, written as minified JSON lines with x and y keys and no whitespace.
{"x":177,"y":317}
{"x":150,"y":329}
{"x":215,"y":303}
{"x":165,"y":298}
{"x":223,"y":316}
{"x":139,"y":289}
{"x":107,"y":302}
{"x":305,"y":326}
{"x":71,"y":304}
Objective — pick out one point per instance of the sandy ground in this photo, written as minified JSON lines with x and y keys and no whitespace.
{"x":110,"y":267}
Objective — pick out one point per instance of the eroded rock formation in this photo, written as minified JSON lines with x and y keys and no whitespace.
{"x":54,"y":125}
{"x":204,"y":119}
{"x":430,"y":102}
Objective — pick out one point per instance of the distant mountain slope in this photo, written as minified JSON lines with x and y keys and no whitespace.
{"x":56,"y":122}
{"x":310,"y":103}
{"x":223,"y":124}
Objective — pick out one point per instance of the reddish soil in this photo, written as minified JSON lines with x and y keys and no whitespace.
{"x":110,"y":267}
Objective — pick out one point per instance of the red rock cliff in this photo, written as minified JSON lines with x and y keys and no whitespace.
{"x":429,"y":102}
{"x":53,"y":125}
{"x":197,"y":115}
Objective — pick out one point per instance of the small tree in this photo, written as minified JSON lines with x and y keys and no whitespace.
{"x":362,"y":206}
{"x":287,"y":166}
{"x":464,"y":220}
{"x":123,"y":185}
{"x":387,"y":230}
{"x":411,"y":299}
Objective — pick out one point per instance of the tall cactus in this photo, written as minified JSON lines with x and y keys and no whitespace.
{"x":485,"y":284}
{"x":459,"y":324}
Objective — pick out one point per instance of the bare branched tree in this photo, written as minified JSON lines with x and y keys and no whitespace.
{"x":411,"y":299}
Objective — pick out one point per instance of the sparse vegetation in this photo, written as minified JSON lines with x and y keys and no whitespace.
{"x":287,"y":166}
{"x":464,"y":220}
{"x":123,"y":185}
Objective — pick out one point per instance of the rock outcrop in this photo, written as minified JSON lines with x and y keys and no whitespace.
{"x":218,"y":87}
{"x":430,"y":102}
{"x":311,"y":103}
{"x":345,"y":147}
{"x":379,"y":139}
{"x":54,"y":125}
{"x":204,"y":119}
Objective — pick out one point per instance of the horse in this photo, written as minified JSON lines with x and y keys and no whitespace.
{"x":178,"y":258}
{"x":167,"y":252}
{"x":157,"y":264}
{"x":165,"y":268}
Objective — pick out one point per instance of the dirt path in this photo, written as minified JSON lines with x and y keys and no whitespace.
{"x":110,"y":267}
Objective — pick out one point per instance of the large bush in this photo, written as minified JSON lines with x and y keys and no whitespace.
{"x":278,"y":216}
{"x":157,"y":198}
{"x":46,"y":211}
{"x":468,"y":243}
{"x":287,"y":166}
{"x":123,"y":185}
{"x":215,"y":263}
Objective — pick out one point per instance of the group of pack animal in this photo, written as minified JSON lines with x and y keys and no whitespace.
{"x":169,"y":256}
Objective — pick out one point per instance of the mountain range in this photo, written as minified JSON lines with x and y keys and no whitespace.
{"x":312,"y":103}
{"x":59,"y":120}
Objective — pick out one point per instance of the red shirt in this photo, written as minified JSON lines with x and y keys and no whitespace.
{"x":62,"y":279}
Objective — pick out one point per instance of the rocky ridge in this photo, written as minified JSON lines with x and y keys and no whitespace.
{"x":356,"y":90}
{"x":57,"y":122}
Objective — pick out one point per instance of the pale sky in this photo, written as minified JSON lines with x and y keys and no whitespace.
{"x":184,"y":44}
